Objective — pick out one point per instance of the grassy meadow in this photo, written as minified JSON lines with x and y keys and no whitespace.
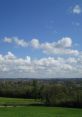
{"x":33,"y":111}
{"x":37,"y":111}
{"x":16,"y":101}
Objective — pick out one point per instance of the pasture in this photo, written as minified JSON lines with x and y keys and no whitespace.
{"x":37,"y":111}
{"x":16,"y":101}
{"x":11,"y":107}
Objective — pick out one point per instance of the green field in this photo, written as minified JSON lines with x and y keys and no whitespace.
{"x":33,"y":111}
{"x":17,"y":101}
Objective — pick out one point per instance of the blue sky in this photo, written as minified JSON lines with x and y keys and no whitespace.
{"x":41,"y":29}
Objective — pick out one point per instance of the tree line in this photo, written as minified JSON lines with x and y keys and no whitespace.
{"x":51,"y":93}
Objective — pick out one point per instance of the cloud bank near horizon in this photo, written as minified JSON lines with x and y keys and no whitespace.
{"x":68,"y":63}
{"x":51,"y":67}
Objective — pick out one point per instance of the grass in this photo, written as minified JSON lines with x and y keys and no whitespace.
{"x":35,"y":111}
{"x":16,"y":101}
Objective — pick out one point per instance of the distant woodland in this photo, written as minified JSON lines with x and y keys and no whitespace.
{"x":54,"y":92}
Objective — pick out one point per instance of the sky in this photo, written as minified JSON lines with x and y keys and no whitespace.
{"x":40,"y":38}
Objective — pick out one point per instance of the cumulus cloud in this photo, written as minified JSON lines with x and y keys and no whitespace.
{"x":17,"y":41}
{"x":12,"y":66}
{"x":35,"y":43}
{"x":55,"y":51}
{"x":10,"y":56}
{"x":8,"y":40}
{"x":65,"y":42}
{"x":62,"y":46}
{"x":76,"y":9}
{"x":20,"y":42}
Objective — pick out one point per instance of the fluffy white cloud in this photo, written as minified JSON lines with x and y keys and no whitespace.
{"x":17,"y":41}
{"x":62,"y":46}
{"x":20,"y":42}
{"x":55,"y":51}
{"x":35,"y":43}
{"x":65,"y":42}
{"x":8,"y":40}
{"x":12,"y":66}
{"x":77,"y":9}
{"x":10,"y":56}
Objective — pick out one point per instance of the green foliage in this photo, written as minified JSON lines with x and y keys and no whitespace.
{"x":64,"y":93}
